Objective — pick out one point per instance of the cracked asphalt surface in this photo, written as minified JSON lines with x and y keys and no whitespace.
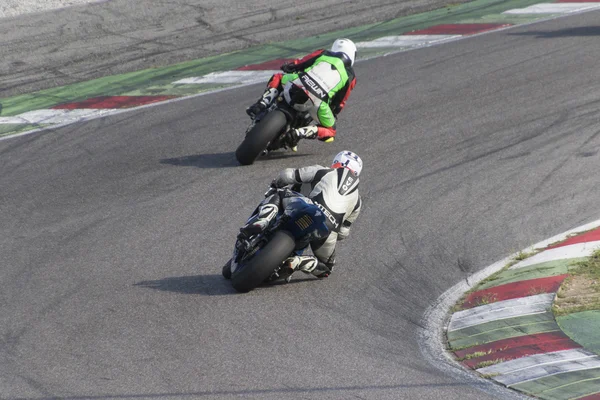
{"x":113,"y":231}
{"x":43,"y":50}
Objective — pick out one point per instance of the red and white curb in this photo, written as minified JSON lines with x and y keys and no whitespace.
{"x":577,"y":250}
{"x":68,"y":113}
{"x":512,"y":331}
{"x":527,"y":369}
{"x":529,"y":358}
{"x":500,"y":310}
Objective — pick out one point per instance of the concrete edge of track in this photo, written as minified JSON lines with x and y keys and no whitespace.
{"x":435,"y":321}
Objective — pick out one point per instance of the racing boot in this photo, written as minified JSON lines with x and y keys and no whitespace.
{"x":306,"y":264}
{"x":309,"y":265}
{"x":307,"y":132}
{"x":265,"y":101}
{"x":259,"y":221}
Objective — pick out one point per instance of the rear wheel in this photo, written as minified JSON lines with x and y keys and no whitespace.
{"x":259,"y":137}
{"x":261,"y":266}
{"x":227,"y":270}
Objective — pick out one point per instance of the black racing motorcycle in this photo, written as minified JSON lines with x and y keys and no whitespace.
{"x":260,"y":257}
{"x":271,"y":129}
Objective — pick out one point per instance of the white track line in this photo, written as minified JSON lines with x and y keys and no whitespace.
{"x":519,"y":307}
{"x":560,"y":253}
{"x":538,"y":366}
{"x":405,"y":41}
{"x":229,"y":77}
{"x":50,"y":116}
{"x":553,"y":8}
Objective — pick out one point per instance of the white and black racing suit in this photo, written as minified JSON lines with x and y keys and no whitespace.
{"x":335,"y":192}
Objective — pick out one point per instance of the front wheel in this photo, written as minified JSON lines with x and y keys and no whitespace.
{"x":259,"y":137}
{"x":261,"y":266}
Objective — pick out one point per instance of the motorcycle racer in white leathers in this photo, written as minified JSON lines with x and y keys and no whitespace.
{"x":334,"y":190}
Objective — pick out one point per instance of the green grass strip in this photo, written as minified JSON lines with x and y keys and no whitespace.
{"x":584,"y":328}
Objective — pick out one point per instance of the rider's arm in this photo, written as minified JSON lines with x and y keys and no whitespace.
{"x":292,"y":176}
{"x":345,"y":228}
{"x":339,"y":100}
{"x":306,"y":61}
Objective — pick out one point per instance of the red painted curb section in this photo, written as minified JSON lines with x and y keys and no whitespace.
{"x":590,"y":236}
{"x":522,"y":346}
{"x":457,"y":29}
{"x":510,"y":343}
{"x":524,"y":351}
{"x":103,"y":102}
{"x":514,"y":290}
{"x":268,"y":65}
{"x":592,"y":397}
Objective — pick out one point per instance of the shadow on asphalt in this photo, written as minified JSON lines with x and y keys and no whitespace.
{"x":206,"y":285}
{"x":216,"y":160}
{"x":223,"y":160}
{"x":314,"y":390}
{"x":579,"y":31}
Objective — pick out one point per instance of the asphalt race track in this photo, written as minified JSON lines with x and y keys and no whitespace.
{"x":114,"y":231}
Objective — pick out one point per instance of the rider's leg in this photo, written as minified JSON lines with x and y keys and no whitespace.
{"x":325,"y":252}
{"x":321,"y":264}
{"x":324,"y":131}
{"x":262,"y":217}
{"x":271,"y":92}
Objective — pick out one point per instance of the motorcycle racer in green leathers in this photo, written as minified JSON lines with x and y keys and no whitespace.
{"x":326,"y":77}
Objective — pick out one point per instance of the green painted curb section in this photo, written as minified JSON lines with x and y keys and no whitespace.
{"x":11,"y":129}
{"x":561,"y":386}
{"x":502,"y":329}
{"x":542,"y":270}
{"x":572,"y":391}
{"x":583,"y":327}
{"x":159,"y":80}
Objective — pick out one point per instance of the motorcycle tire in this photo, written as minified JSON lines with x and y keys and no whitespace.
{"x":259,"y":137}
{"x":262,"y":265}
{"x":226,"y":271}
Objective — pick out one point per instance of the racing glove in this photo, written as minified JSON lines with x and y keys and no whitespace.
{"x":288,"y":68}
{"x":343,"y":233}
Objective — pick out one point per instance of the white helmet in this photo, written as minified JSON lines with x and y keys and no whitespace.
{"x":345,"y":46}
{"x":348,"y":159}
